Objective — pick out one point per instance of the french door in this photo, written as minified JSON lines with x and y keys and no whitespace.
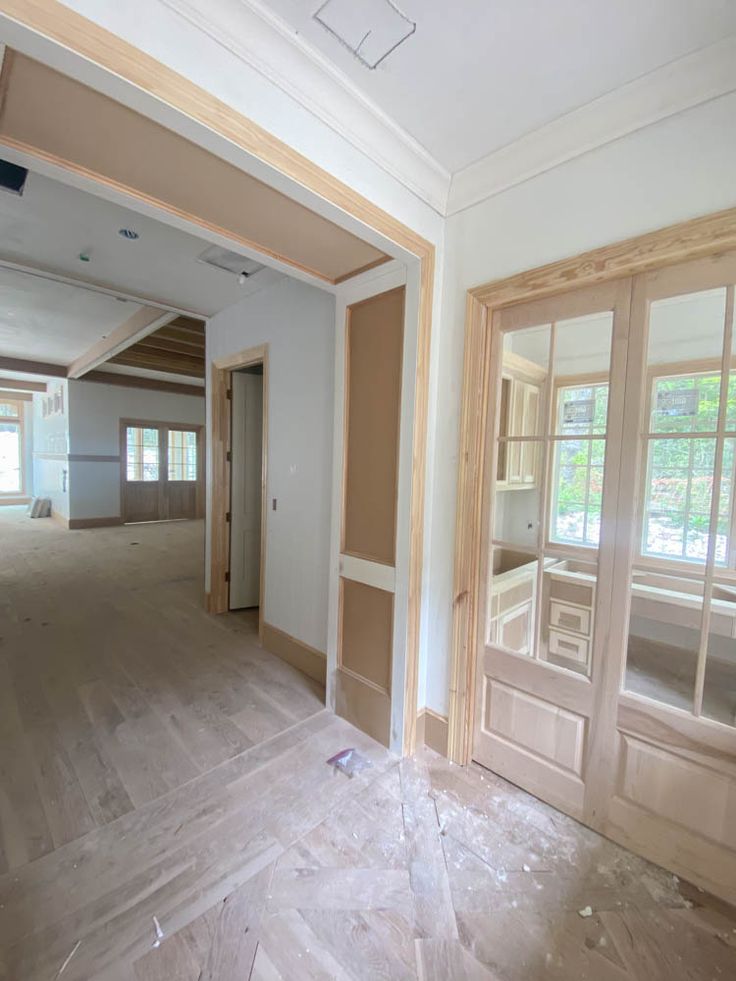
{"x":161,"y":471}
{"x":606,"y":679}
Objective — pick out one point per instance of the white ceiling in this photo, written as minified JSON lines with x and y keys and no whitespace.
{"x":479,"y":74}
{"x":49,"y":226}
{"x":52,"y":223}
{"x":41,"y":320}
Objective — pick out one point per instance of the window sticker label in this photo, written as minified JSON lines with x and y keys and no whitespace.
{"x":578,"y":411}
{"x":678,"y":402}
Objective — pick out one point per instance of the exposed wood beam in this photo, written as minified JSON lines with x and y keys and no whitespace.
{"x":22,"y":386}
{"x":144,"y":321}
{"x":33,"y":367}
{"x":155,"y":342}
{"x":133,"y":381}
{"x":17,"y":396}
{"x":181,"y":364}
{"x":41,"y":273}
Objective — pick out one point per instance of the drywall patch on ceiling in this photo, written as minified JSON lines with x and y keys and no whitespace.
{"x":268,"y":45}
{"x":370,"y":29}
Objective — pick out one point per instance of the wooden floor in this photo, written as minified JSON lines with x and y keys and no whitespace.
{"x":167,"y":814}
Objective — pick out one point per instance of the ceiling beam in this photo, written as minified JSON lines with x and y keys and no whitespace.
{"x":155,"y":342}
{"x":136,"y":381}
{"x":18,"y":385}
{"x":180,"y":364}
{"x":33,"y":367}
{"x":142,"y":322}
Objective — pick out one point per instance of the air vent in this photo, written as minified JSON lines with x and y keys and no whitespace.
{"x":12,"y":177}
{"x":231,"y":262}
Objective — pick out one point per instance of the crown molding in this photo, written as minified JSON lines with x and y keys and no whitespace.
{"x":264,"y":42}
{"x":690,"y":81}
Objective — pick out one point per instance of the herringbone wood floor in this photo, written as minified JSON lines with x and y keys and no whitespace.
{"x":157,"y":767}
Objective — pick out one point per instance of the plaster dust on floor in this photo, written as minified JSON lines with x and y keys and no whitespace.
{"x":161,"y":772}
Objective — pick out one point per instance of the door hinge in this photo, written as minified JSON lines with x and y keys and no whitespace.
{"x":227,"y":576}
{"x":229,"y":393}
{"x":229,"y":456}
{"x":227,"y":516}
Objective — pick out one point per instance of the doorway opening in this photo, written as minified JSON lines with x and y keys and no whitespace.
{"x":239,"y":454}
{"x":247,"y":487}
{"x":162,"y":471}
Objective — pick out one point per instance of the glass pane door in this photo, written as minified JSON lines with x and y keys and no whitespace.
{"x":182,"y":458}
{"x":552,"y":423}
{"x":142,"y":453}
{"x":682,"y":627}
{"x":11,"y":449}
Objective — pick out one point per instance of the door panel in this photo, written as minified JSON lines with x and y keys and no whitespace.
{"x":161,"y":471}
{"x":607,"y":681}
{"x":545,"y":621}
{"x":246,"y":475}
{"x":673,"y":783}
{"x":142,"y":498}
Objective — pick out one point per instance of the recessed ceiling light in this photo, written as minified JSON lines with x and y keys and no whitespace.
{"x":128,"y":233}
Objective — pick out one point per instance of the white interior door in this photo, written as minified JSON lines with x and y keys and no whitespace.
{"x":246,"y":489}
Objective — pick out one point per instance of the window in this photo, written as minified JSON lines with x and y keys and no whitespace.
{"x":182,"y":455}
{"x":11,"y":448}
{"x":680,"y":462}
{"x":142,"y":453}
{"x":579,"y":457}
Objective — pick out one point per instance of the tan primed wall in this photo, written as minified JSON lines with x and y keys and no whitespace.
{"x":45,"y":111}
{"x":374,"y":359}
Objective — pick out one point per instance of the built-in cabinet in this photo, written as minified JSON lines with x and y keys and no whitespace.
{"x":519,"y":412}
{"x":513,"y":589}
{"x":569,"y":604}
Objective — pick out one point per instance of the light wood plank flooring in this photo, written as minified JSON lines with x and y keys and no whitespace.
{"x":166,"y":812}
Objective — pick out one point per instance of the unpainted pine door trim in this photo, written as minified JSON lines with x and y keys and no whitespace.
{"x":698,"y":238}
{"x":217,"y":599}
{"x":77,"y":34}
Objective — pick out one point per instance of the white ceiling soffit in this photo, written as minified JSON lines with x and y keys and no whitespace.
{"x":333,"y":88}
{"x":690,"y":81}
{"x":264,"y":41}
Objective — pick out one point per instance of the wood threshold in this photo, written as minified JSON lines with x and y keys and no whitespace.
{"x":88,"y":40}
{"x":702,"y":237}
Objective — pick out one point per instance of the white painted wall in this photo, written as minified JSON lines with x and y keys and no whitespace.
{"x":677,"y":169}
{"x":50,"y":449}
{"x":298,"y":324}
{"x":95,"y":412}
